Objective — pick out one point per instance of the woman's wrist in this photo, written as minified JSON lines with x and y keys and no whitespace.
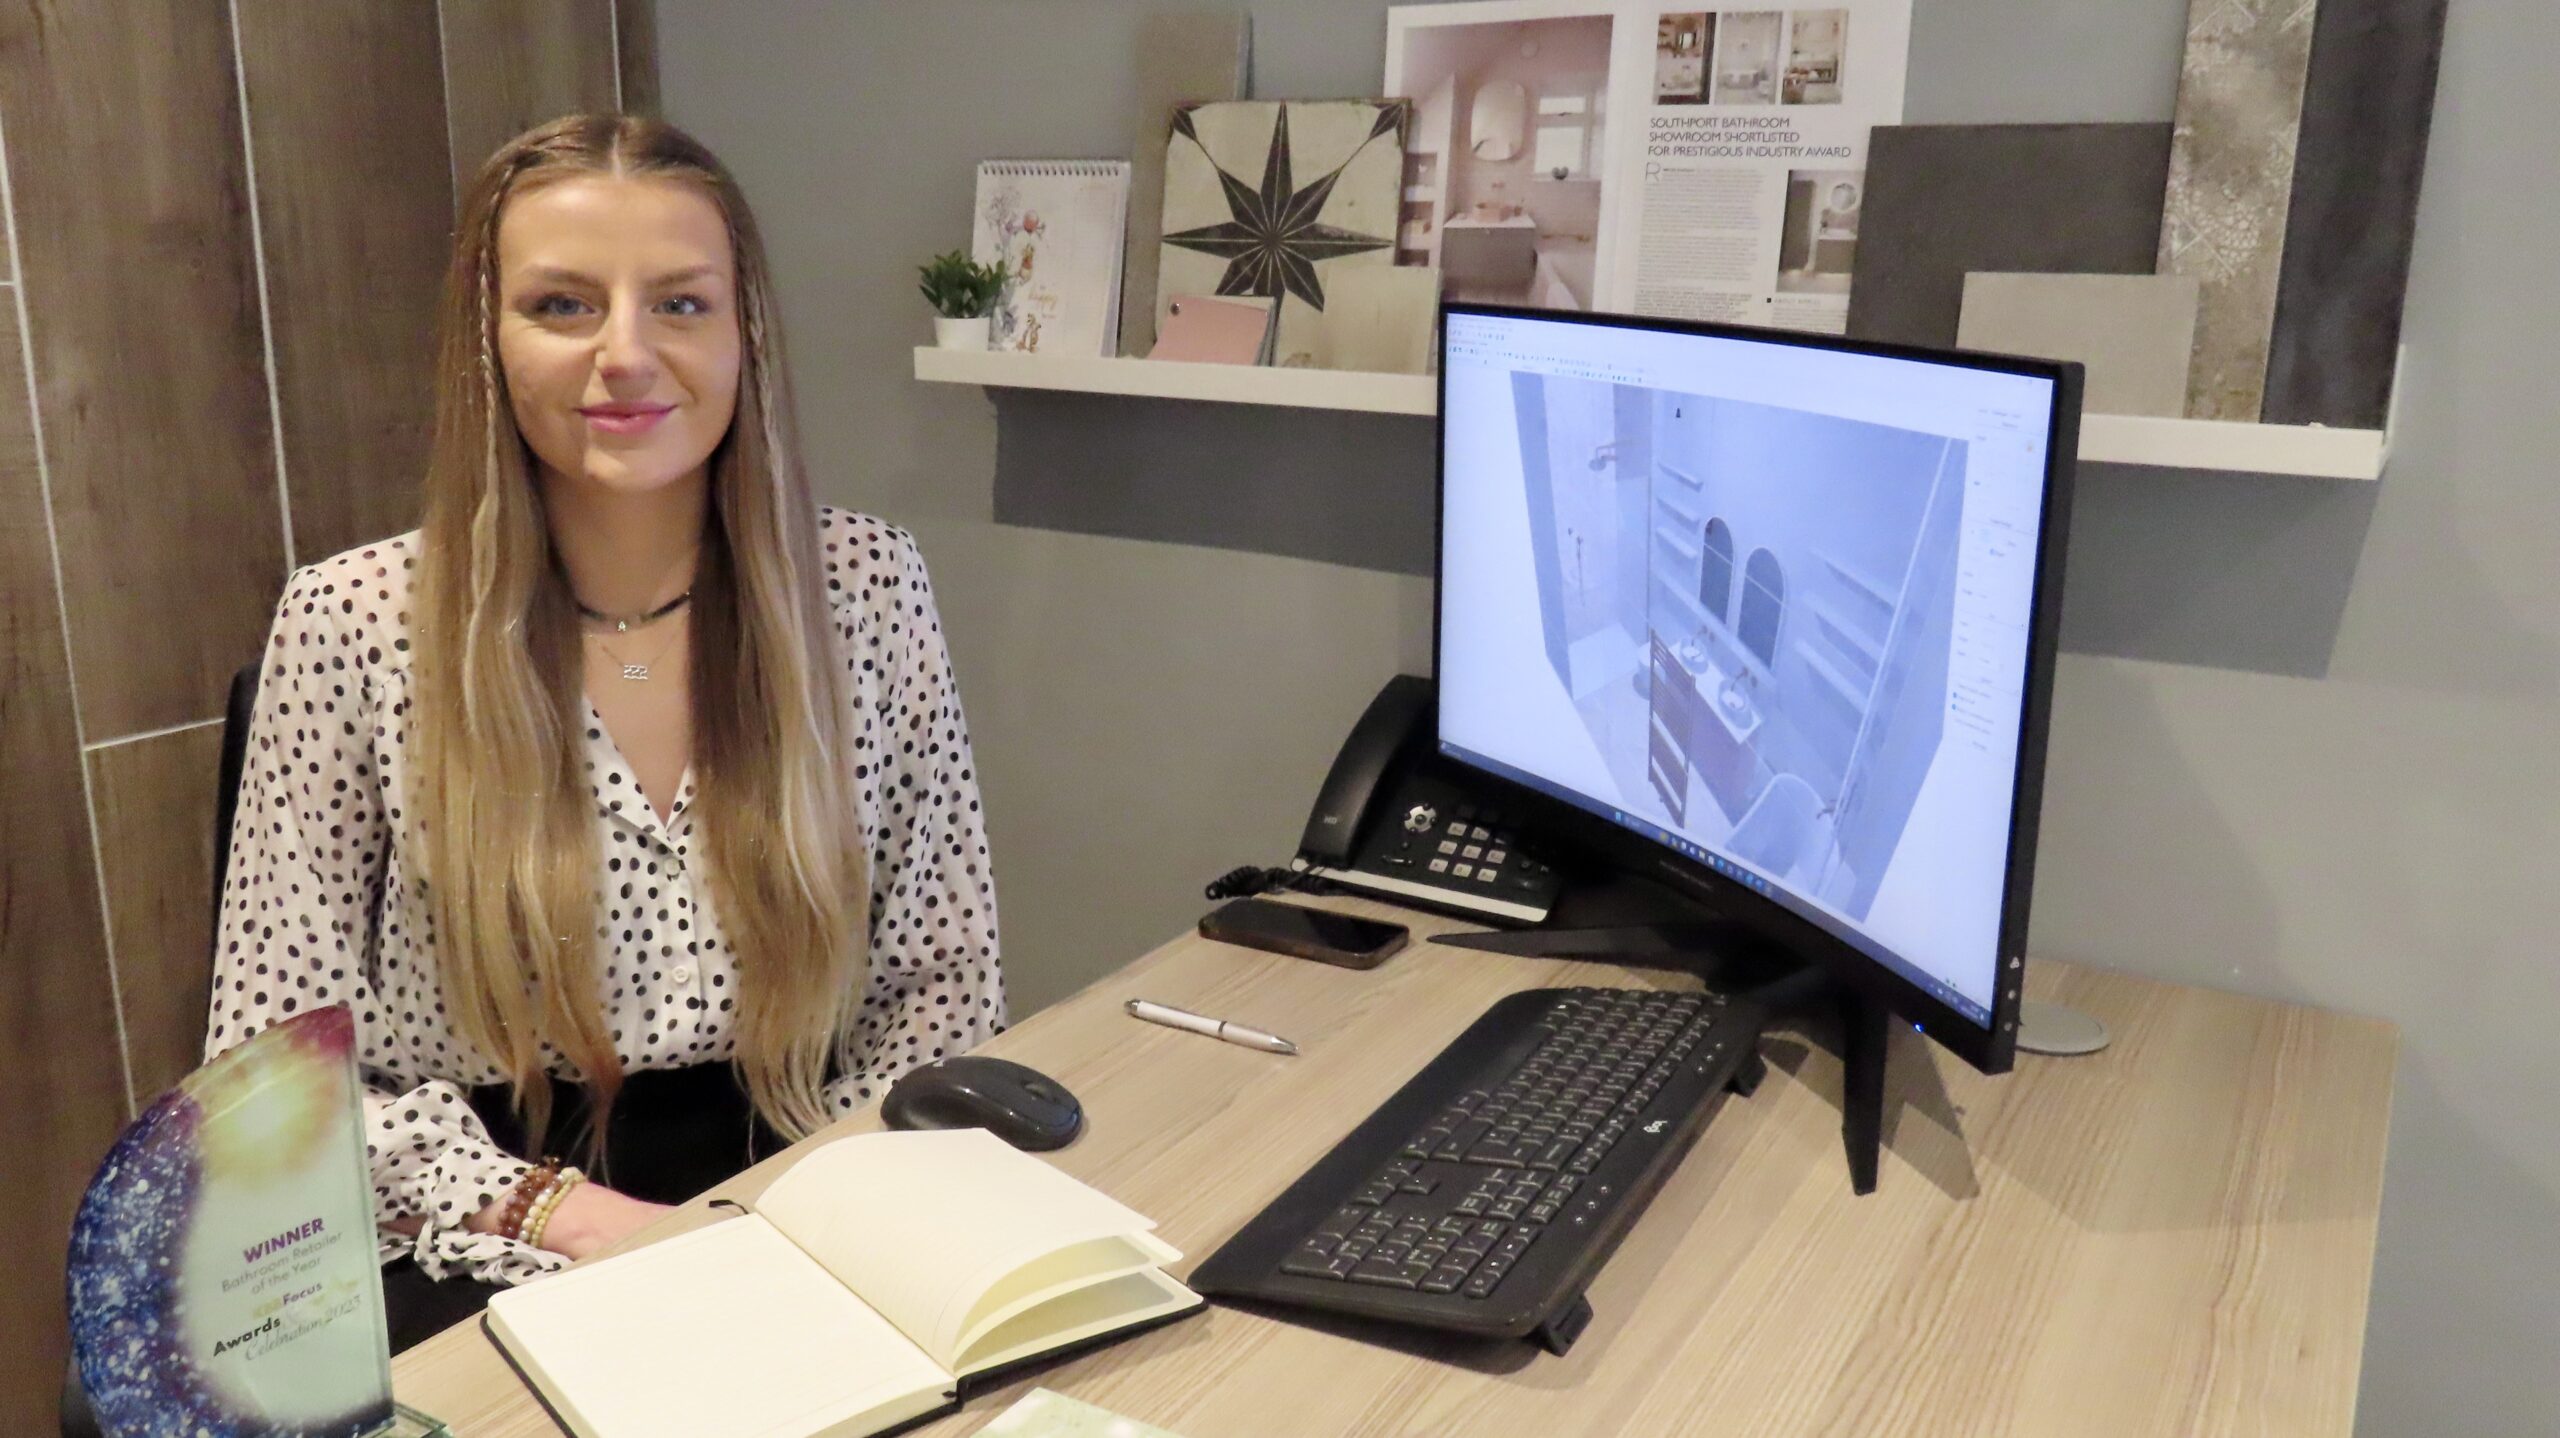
{"x":505,"y":1214}
{"x":589,"y":1217}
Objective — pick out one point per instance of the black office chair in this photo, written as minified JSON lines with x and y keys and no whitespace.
{"x":237,"y":710}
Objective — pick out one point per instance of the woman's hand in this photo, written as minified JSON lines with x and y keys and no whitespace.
{"x":593,"y":1217}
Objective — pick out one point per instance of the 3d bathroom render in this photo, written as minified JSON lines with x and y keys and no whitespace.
{"x":1766,"y":678}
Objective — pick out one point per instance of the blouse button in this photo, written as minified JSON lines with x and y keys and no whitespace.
{"x":681,"y":973}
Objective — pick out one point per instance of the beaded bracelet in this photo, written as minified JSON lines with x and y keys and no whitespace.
{"x":538,"y":1222}
{"x":528,"y":1190}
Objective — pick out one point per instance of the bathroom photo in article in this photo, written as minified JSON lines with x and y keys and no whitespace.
{"x":1503,"y":164}
{"x":1752,"y":611}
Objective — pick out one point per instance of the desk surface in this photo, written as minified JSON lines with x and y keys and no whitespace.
{"x":2173,"y":1237}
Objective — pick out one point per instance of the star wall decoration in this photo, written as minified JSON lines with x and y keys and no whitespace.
{"x":1274,"y":235}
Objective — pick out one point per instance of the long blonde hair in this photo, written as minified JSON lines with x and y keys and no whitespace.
{"x":504,"y":817}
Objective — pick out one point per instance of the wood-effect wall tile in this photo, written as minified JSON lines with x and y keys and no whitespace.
{"x":60,"y":1065}
{"x":635,"y":33}
{"x":132,"y":204}
{"x":346,"y":116}
{"x":511,"y":64}
{"x":155,"y":801}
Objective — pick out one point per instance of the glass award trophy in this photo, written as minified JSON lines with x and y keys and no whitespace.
{"x":223,"y":1282}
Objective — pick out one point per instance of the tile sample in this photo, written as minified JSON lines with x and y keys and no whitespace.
{"x":1187,"y":55}
{"x":2135,"y":333}
{"x":2231,"y":187}
{"x":2336,"y":341}
{"x":1269,"y":198}
{"x":1944,"y":201}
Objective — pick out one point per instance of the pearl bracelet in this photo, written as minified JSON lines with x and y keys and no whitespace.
{"x":539,"y":1221}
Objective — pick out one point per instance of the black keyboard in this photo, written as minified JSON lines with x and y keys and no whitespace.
{"x":1486,"y":1193}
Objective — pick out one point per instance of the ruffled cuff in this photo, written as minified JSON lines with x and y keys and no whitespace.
{"x":434,"y":1162}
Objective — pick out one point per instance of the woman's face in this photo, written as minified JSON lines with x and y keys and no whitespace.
{"x":618,"y":329}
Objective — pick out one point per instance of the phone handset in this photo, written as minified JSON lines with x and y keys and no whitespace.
{"x":1395,"y":722}
{"x":1396,"y":821}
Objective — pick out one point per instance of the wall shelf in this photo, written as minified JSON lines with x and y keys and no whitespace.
{"x":1166,"y":379}
{"x":2307,"y":451}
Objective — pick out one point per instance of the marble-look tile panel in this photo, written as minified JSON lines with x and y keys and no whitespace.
{"x":2231,"y":166}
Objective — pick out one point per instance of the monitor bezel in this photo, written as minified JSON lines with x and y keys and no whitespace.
{"x":1989,"y":1047}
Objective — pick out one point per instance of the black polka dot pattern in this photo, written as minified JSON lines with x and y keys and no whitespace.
{"x":323,"y":901}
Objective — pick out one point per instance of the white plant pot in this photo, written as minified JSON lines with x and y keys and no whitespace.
{"x":968,"y":334}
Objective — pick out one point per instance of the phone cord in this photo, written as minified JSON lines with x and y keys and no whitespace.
{"x":1252,"y":879}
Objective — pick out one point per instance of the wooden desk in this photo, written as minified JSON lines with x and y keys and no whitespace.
{"x":2174,"y":1237}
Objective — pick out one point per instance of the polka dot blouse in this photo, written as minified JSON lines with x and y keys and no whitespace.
{"x":322,"y":904}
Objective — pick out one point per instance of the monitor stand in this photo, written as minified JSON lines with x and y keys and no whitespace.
{"x":1632,"y":922}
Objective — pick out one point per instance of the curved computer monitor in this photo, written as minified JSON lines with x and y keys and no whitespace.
{"x":1769,"y":617}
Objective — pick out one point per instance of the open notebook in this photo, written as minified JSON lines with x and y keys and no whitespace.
{"x":873,"y":1280}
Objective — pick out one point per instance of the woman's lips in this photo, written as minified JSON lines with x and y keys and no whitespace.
{"x":615,"y":419}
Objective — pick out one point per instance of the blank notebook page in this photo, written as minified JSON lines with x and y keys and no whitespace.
{"x":729,"y":1330}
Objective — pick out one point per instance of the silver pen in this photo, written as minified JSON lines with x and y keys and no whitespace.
{"x":1214,"y":1028}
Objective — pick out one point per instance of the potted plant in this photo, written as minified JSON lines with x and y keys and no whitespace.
{"x":963,"y":294}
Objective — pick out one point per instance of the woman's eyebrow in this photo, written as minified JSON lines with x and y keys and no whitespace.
{"x":557,"y":275}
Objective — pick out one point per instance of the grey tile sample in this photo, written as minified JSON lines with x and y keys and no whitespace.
{"x":1947,"y":200}
{"x":2240,"y":96}
{"x":2135,"y":333}
{"x":2356,"y":172}
{"x":1182,"y":55}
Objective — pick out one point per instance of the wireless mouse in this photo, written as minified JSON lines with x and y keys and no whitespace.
{"x":1022,"y":1106}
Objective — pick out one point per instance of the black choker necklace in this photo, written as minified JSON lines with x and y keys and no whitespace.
{"x":624,"y":624}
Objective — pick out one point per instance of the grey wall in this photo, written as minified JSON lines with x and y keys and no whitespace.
{"x":2302,"y":730}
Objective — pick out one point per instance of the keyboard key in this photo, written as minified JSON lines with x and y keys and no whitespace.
{"x":1342,"y":1224}
{"x":1379,"y":1271}
{"x":1465,"y":1136}
{"x":1446,"y":1278}
{"x":1309,"y":1263}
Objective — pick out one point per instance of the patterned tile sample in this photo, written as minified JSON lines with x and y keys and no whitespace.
{"x":1263,"y":197}
{"x":2231,"y":168}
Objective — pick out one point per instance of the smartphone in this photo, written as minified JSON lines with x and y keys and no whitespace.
{"x":1304,"y":933}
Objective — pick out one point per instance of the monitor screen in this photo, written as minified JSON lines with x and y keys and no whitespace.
{"x":1763,"y":601}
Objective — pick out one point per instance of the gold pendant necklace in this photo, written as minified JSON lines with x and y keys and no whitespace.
{"x":638,"y":673}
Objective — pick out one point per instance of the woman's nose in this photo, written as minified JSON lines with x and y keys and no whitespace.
{"x":623,"y":342}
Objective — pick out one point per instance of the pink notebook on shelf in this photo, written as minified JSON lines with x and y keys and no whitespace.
{"x":1215,"y":329}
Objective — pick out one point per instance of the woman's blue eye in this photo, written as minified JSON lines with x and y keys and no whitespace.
{"x":557,"y":306}
{"x":686,"y":305}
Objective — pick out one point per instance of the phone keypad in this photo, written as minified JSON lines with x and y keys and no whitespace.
{"x":1471,"y":852}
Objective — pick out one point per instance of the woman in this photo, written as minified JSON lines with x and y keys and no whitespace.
{"x":628,"y":802}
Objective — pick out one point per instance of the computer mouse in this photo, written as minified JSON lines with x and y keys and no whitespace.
{"x":1022,"y":1106}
